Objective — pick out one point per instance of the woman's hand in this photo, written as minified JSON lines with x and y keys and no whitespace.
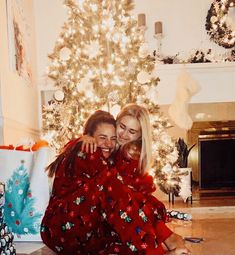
{"x":88,"y":144}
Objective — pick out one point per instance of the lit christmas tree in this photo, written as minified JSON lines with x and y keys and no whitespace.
{"x":20,"y":213}
{"x":101,"y":61}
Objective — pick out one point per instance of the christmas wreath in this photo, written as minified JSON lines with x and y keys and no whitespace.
{"x":216,"y":23}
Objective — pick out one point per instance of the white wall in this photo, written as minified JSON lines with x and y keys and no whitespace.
{"x":183,"y":24}
{"x":49,"y":18}
{"x":183,"y":29}
{"x":19,"y":100}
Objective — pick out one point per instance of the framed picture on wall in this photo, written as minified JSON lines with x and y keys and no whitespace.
{"x":19,"y":34}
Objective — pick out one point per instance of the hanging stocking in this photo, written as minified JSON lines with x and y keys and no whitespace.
{"x":186,"y":87}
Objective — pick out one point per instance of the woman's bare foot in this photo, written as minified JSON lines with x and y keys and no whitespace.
{"x":176,"y":245}
{"x":179,"y":251}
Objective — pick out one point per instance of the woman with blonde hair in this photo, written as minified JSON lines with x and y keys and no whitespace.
{"x":133,"y":124}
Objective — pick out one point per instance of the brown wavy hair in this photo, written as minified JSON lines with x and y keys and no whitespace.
{"x":70,"y":151}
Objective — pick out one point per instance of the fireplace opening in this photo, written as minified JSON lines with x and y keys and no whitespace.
{"x":216,"y":162}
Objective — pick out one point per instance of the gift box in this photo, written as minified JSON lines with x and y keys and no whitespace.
{"x":6,"y":237}
{"x":26,"y":189}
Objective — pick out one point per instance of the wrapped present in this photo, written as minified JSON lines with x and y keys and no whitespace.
{"x":27,"y":189}
{"x":6,"y":237}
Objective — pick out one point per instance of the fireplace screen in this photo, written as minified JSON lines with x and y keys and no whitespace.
{"x":217,"y":163}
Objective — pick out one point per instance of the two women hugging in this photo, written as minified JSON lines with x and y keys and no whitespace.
{"x":102,"y":200}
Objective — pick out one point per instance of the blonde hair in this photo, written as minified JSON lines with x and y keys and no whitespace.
{"x":142,"y":115}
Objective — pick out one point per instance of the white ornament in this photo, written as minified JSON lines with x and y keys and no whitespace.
{"x":144,"y":50}
{"x":92,"y":50}
{"x":20,"y":192}
{"x":143,"y":77}
{"x":165,"y":138}
{"x":12,"y":213}
{"x":86,"y":86}
{"x":65,"y":53}
{"x":59,"y":95}
{"x":172,"y":157}
{"x":21,"y":172}
{"x":26,"y":230}
{"x":152,"y":94}
{"x":167,"y":169}
{"x":115,"y":110}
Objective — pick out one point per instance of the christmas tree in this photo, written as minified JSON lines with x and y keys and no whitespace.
{"x":20,"y":213}
{"x":101,"y":61}
{"x":6,"y":237}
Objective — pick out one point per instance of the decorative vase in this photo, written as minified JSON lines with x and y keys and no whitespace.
{"x":185,"y":183}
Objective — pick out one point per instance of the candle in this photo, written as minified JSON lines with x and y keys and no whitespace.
{"x":158,"y":27}
{"x":141,"y":20}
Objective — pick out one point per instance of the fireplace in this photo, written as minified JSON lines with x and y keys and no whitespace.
{"x":213,"y":158}
{"x":216,"y":162}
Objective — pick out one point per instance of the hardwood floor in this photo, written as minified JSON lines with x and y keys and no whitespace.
{"x":213,"y":220}
{"x":43,"y":251}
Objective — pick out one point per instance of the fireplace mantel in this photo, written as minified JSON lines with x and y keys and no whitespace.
{"x":197,"y":67}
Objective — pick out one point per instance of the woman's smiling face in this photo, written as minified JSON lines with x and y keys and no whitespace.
{"x":105,"y":136}
{"x":128,"y":129}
